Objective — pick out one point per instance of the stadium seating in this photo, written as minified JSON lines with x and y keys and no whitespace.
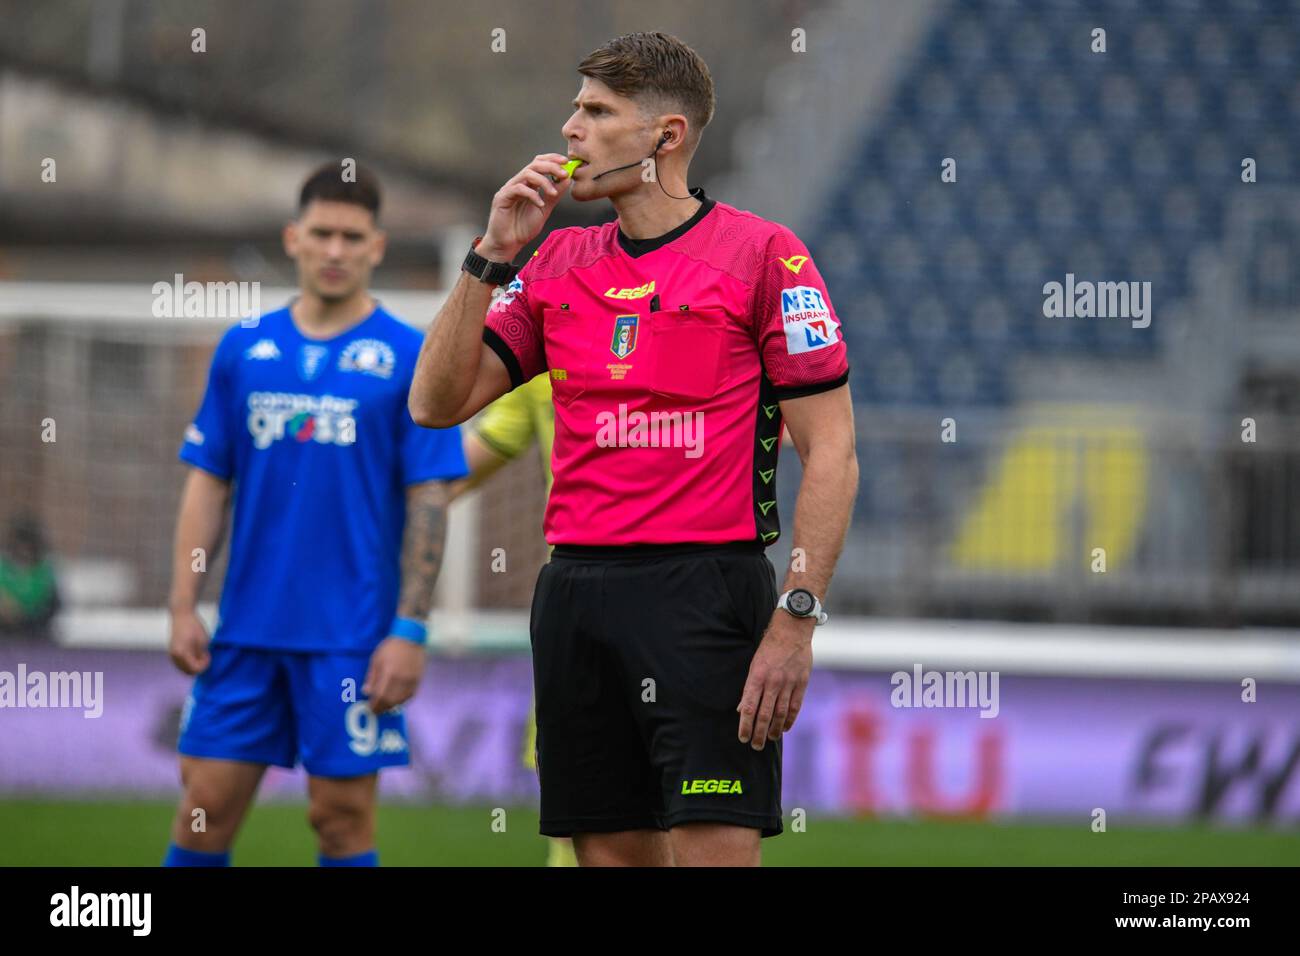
{"x":1113,"y":166}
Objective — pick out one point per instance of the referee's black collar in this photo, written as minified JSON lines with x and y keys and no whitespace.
{"x":639,"y":247}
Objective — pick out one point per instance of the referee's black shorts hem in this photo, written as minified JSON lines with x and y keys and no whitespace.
{"x":769,"y":825}
{"x":571,"y":825}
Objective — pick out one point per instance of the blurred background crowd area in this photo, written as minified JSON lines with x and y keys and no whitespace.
{"x":1014,"y":465}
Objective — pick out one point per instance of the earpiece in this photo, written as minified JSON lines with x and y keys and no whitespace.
{"x":664,"y":138}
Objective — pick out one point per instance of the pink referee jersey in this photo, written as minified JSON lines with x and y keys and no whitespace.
{"x":667,"y":359}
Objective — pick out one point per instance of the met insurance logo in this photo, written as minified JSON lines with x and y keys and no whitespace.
{"x":133,"y":910}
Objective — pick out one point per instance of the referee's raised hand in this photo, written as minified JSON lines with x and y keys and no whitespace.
{"x":521,"y":207}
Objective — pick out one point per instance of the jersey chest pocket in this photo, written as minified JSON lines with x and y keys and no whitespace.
{"x":689,"y":348}
{"x":568,"y":349}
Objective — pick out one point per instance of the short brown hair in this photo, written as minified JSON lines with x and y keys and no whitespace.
{"x":654,"y":68}
{"x":327,"y":184}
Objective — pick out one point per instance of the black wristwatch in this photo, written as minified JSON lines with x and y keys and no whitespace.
{"x":485,"y":270}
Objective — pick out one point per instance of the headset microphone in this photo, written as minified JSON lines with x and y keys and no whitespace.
{"x":667,"y":135}
{"x":662,"y":139}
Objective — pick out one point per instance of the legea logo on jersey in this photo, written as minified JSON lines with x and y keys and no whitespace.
{"x":370,"y":356}
{"x":324,"y":419}
{"x":807,"y":320}
{"x":636,"y":292}
{"x":651,"y":430}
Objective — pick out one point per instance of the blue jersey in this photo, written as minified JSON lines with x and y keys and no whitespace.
{"x":318,"y":441}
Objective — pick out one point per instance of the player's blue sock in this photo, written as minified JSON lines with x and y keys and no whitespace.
{"x":179,"y":856}
{"x":369,"y":858}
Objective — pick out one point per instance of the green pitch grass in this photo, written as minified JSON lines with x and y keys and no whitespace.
{"x":135,"y":833}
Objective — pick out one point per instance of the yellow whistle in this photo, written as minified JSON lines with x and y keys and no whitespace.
{"x":573,"y":164}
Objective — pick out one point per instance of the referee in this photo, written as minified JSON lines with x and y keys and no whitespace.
{"x":680,"y":341}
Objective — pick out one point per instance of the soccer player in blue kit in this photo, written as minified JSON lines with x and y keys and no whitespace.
{"x":336,"y":542}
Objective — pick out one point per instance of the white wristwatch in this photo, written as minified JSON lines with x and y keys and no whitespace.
{"x":801,"y":602}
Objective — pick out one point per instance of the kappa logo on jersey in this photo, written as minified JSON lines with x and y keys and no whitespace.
{"x":637,"y":292}
{"x":311,"y":359}
{"x":807,"y":320}
{"x":794,"y":263}
{"x":193,"y":435}
{"x":324,"y":419}
{"x":507,"y":295}
{"x":370,"y":356}
{"x":263,"y":350}
{"x":624,"y":340}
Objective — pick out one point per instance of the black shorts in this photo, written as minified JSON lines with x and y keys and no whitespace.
{"x":640,"y":656}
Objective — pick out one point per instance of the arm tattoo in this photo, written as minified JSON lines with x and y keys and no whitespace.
{"x":422,"y":544}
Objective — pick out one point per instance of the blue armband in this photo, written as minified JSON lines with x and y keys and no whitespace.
{"x":409,"y":629}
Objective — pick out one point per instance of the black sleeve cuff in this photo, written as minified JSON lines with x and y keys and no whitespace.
{"x":497,"y":344}
{"x":783,"y":392}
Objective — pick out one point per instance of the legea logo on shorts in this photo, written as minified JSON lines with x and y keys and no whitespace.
{"x":651,"y":430}
{"x":711,"y":786}
{"x":320,"y":418}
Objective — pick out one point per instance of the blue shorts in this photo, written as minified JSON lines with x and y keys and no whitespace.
{"x":282,"y":707}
